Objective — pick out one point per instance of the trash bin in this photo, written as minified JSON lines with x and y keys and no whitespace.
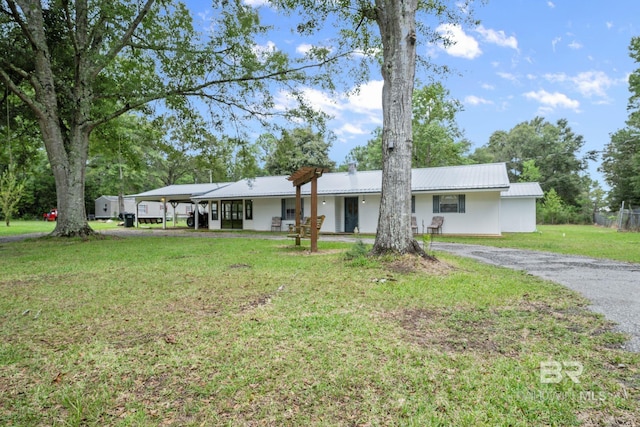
{"x":129,"y":219}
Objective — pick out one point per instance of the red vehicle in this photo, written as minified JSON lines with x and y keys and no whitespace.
{"x":51,"y":216}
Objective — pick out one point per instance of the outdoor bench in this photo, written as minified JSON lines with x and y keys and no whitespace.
{"x":304,"y":230}
{"x":149,"y":220}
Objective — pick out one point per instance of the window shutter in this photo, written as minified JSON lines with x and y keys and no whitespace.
{"x":461,"y":203}
{"x":413,"y":204}
{"x":436,"y":204}
{"x":283,"y":211}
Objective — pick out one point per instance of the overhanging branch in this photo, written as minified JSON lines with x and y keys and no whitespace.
{"x":198,"y":90}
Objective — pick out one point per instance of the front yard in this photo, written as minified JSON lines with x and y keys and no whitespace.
{"x":192,"y":331}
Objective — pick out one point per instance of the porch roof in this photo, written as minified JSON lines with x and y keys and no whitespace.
{"x":178,"y":192}
{"x":491,"y":176}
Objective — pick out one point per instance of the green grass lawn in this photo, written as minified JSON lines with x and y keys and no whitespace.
{"x":19,"y":226}
{"x":591,"y":241}
{"x":178,"y":331}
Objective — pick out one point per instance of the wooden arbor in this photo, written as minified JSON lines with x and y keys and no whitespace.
{"x":299,"y":178}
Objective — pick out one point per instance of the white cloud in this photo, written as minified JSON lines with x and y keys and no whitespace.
{"x":351,"y":129}
{"x":508,"y":76}
{"x":575,"y":45}
{"x":256,"y":3}
{"x":263,"y":50}
{"x":554,"y":42}
{"x":588,"y":83}
{"x":593,"y":83}
{"x":497,"y":37}
{"x":488,"y":86}
{"x":551,"y":4}
{"x":475,"y":100}
{"x":317,"y":99}
{"x":462,"y":45}
{"x":609,"y":25}
{"x":368,"y":99}
{"x":304,"y":48}
{"x":552,"y":101}
{"x":556,"y":77}
{"x":363,"y":107}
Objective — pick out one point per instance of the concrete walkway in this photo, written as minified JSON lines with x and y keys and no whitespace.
{"x":612,"y":287}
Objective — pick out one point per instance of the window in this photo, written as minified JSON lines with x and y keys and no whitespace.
{"x":248,"y":209}
{"x":289,"y":209}
{"x":449,"y":203}
{"x":214,"y":211}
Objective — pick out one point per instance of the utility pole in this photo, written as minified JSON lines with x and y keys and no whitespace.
{"x":121,"y":195}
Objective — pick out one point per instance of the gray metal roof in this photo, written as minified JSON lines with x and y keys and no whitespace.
{"x":523,"y":189}
{"x":179,"y":192}
{"x":450,"y":178}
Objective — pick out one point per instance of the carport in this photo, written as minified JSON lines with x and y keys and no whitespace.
{"x":174,"y":195}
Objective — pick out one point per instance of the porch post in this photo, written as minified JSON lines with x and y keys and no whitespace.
{"x":298,"y":209}
{"x":314,"y":213}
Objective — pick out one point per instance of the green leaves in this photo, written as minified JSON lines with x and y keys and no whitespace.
{"x":621,"y":156}
{"x":11,"y":191}
{"x":294,"y":149}
{"x":437,"y":140}
{"x":553,"y":148}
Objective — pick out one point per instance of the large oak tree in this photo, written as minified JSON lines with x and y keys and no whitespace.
{"x":389,"y":31}
{"x":77,"y":64}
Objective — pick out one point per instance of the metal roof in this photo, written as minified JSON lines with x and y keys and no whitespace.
{"x":523,"y":189}
{"x":179,"y":192}
{"x":491,"y":176}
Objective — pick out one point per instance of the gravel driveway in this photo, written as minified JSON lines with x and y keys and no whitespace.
{"x":612,"y":287}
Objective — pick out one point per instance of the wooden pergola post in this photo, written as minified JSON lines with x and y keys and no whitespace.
{"x":299,"y":178}
{"x":314,"y":213}
{"x":298,"y":210}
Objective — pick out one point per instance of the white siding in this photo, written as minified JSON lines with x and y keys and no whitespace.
{"x":368,"y":213}
{"x":481,"y":216}
{"x":518,"y":215}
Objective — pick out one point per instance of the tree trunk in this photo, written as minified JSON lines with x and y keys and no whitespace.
{"x":67,"y":145}
{"x":396,"y":20}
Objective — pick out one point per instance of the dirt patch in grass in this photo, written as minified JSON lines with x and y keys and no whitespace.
{"x":299,"y":250}
{"x":507,"y":330}
{"x":233,"y":266}
{"x":407,"y":264}
{"x":451,"y":332}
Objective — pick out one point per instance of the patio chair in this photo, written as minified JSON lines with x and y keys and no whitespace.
{"x":276,"y":223}
{"x":436,"y":225}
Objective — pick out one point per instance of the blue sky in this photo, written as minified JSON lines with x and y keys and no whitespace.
{"x":555,"y":59}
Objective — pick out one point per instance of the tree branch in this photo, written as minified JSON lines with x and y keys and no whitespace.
{"x":198,"y":89}
{"x":6,"y":79}
{"x":124,"y":40}
{"x":23,"y":25}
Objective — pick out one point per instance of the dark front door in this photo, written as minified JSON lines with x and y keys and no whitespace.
{"x":231,"y":214}
{"x":350,"y":214}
